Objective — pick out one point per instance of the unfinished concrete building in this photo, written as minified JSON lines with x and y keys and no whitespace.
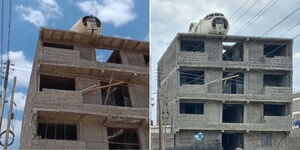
{"x":233,"y":89}
{"x":76,"y":101}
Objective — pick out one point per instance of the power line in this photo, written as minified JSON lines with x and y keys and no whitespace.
{"x":246,"y":12}
{"x":290,"y":29}
{"x":239,"y":9}
{"x":258,"y":15}
{"x":290,"y":14}
{"x":9,"y":28}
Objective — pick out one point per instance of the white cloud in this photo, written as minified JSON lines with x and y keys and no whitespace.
{"x":50,"y":7}
{"x":38,"y":16}
{"x":33,"y":16}
{"x":22,"y":68}
{"x":117,"y":12}
{"x":19,"y":99}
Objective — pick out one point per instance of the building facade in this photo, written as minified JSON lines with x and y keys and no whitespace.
{"x":76,"y":101}
{"x":236,"y":90}
{"x":296,"y":109}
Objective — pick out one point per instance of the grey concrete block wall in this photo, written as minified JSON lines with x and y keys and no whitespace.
{"x":86,"y":110}
{"x":186,"y":137}
{"x":296,"y":106}
{"x":254,"y":66}
{"x":94,"y":97}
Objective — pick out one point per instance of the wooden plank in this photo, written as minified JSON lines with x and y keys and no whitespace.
{"x":100,"y":87}
{"x":136,"y":44}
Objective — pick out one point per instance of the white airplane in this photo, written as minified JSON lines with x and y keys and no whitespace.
{"x":214,"y":23}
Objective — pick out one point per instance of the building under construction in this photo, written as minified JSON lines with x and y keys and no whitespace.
{"x":233,"y":89}
{"x":76,"y":101}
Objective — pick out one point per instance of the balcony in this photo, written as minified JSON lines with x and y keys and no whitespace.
{"x":57,"y":144}
{"x":127,"y":114}
{"x":282,"y":92}
{"x":280,"y":61}
{"x":191,"y":59}
{"x":191,"y":90}
{"x":56,"y":59}
{"x":57,"y":96}
{"x":67,"y":144}
{"x":236,"y":97}
{"x":191,"y":122}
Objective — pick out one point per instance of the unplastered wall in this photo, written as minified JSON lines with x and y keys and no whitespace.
{"x":254,"y":140}
{"x":143,"y":133}
{"x":168,"y":60}
{"x":186,"y":137}
{"x":253,"y":82}
{"x":86,"y":52}
{"x":214,"y":49}
{"x":133,"y":58}
{"x":255,"y":52}
{"x":212,"y":114}
{"x":253,"y":113}
{"x":93,"y":97}
{"x":26,"y":130}
{"x":94,"y":134}
{"x":139,"y":96}
{"x":211,"y":75}
{"x":167,"y":94}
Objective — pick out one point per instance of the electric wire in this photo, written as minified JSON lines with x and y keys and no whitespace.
{"x":239,"y":9}
{"x":281,"y":21}
{"x":256,"y":2}
{"x":290,"y":29}
{"x":257,"y":15}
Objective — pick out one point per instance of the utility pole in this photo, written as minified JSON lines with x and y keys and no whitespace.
{"x":4,"y":91}
{"x":160,"y":125}
{"x":9,"y":118}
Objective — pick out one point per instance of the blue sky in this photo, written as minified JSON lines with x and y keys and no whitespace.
{"x":121,"y":18}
